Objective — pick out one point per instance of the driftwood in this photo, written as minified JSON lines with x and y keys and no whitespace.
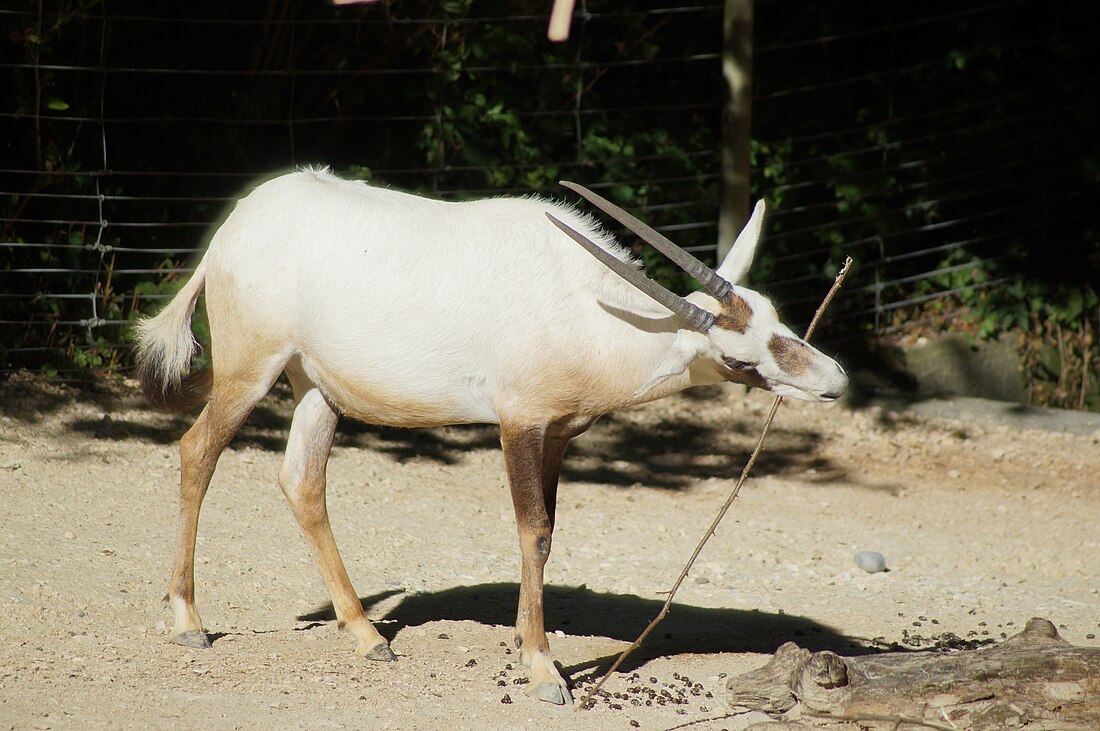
{"x":1033,"y":680}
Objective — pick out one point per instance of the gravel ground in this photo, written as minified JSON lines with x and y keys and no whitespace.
{"x":982,"y":525}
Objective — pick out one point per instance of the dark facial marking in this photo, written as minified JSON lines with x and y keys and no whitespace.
{"x":738,"y":371}
{"x":735,"y":315}
{"x":793,"y":356}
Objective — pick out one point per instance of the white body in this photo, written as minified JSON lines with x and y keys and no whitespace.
{"x":504,"y":313}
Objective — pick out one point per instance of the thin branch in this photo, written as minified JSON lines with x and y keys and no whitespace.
{"x":725,"y":506}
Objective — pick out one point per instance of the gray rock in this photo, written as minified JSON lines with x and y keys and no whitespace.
{"x":871,"y":561}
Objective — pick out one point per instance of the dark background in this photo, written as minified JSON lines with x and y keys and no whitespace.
{"x":950,"y":148}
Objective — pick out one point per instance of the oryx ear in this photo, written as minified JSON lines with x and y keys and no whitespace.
{"x":737,"y":262}
{"x":687,"y":346}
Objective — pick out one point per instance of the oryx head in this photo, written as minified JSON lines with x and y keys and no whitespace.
{"x":735,"y":327}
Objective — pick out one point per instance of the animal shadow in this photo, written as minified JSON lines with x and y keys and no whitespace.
{"x":583,"y":612}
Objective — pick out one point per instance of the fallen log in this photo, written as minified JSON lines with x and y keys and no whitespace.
{"x":1032,"y":680}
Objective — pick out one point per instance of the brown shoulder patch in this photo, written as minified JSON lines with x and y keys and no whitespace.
{"x":793,"y":356}
{"x":735,"y":315}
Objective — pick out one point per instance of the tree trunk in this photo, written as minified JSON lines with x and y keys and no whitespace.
{"x":1034,"y":680}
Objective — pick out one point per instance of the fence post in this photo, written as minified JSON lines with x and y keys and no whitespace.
{"x":733,"y":209}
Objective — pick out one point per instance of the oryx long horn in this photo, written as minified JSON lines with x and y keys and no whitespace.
{"x":706,"y":276}
{"x":696,"y":316}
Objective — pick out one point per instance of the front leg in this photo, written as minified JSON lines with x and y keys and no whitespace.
{"x":553,"y":451}
{"x":530,"y":459}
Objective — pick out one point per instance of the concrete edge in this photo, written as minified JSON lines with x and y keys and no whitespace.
{"x":1019,"y":416}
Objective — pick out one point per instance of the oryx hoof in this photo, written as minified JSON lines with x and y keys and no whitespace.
{"x":381,"y":653}
{"x":551,"y":692}
{"x":195,"y":638}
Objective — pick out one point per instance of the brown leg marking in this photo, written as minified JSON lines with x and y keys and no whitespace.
{"x":303,"y":481}
{"x":533,"y":462}
{"x":553,"y":451}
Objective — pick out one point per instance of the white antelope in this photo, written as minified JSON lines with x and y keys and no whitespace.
{"x":403,"y":311}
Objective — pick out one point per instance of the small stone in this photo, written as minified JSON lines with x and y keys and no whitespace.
{"x":872,"y":562}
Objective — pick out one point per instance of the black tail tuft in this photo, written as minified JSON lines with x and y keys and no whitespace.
{"x":187,"y":395}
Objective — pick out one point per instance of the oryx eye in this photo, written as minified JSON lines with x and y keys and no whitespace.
{"x":739,"y":365}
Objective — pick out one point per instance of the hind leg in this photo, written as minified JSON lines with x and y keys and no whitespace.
{"x":302,"y":479}
{"x":231,"y":401}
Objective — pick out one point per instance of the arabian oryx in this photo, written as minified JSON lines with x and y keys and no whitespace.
{"x":403,"y":311}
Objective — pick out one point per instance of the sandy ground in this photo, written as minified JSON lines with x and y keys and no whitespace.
{"x":982,"y":527}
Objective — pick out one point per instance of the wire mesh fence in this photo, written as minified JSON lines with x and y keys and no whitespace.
{"x":926,"y":142}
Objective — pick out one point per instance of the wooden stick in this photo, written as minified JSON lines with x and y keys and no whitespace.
{"x":725,"y":506}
